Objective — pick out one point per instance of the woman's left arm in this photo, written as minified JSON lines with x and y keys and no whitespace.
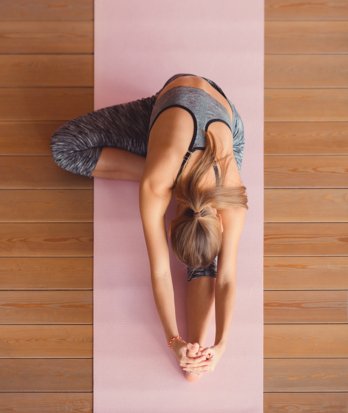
{"x":233,"y":222}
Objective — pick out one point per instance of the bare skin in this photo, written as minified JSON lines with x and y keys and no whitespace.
{"x":114,"y":163}
{"x":169,"y":139}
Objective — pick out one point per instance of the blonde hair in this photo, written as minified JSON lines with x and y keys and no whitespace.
{"x":196,"y":233}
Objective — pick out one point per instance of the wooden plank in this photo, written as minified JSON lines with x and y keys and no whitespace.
{"x":305,"y":307}
{"x":40,"y":273}
{"x":46,"y":375}
{"x":46,"y":307}
{"x":26,"y":137}
{"x":298,"y":205}
{"x":305,"y":138}
{"x":38,"y":172}
{"x":306,"y":375}
{"x":36,"y":104}
{"x":46,"y":37}
{"x":306,"y":402}
{"x":323,"y":239}
{"x":46,"y":239}
{"x":46,"y":402}
{"x":307,"y":10}
{"x":46,"y":341}
{"x":306,"y":71}
{"x":306,"y":37}
{"x":306,"y":341}
{"x":46,"y":70}
{"x":305,"y":273}
{"x":45,"y":10}
{"x":317,"y":105}
{"x":292,"y":171}
{"x":46,"y":205}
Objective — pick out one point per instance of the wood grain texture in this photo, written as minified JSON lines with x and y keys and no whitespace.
{"x":306,"y":341}
{"x":48,"y":341}
{"x":301,"y":205}
{"x":315,"y":105}
{"x":46,"y":239}
{"x":292,"y":171}
{"x":306,"y":71}
{"x":305,"y":402}
{"x":317,"y":238}
{"x":305,"y":138}
{"x":61,"y":205}
{"x":306,"y":375}
{"x":306,"y":10}
{"x":46,"y":402}
{"x":46,"y":70}
{"x":306,"y":37}
{"x":282,"y":307}
{"x":305,"y":273}
{"x":27,"y":137}
{"x":82,"y":402}
{"x":45,"y":10}
{"x":46,"y":375}
{"x":46,"y":231}
{"x":38,"y":172}
{"x":46,"y":307}
{"x":71,"y":37}
{"x":46,"y":273}
{"x":36,"y":104}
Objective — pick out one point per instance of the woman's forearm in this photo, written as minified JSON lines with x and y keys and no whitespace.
{"x":163,"y":293}
{"x":224,"y":304}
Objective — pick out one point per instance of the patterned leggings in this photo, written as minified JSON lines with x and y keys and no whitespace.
{"x":77,"y":144}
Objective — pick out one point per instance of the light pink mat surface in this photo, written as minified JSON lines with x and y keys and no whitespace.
{"x":138,"y":46}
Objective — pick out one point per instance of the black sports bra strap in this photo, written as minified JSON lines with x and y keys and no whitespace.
{"x":186,"y":157}
{"x":217,"y":176}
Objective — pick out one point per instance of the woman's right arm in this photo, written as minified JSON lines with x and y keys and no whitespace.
{"x":153,"y":205}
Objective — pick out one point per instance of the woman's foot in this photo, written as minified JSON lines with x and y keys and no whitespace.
{"x":194,"y":350}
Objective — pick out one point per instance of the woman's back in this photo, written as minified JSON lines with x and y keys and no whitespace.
{"x":173,"y":130}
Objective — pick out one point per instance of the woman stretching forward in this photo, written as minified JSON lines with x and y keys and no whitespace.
{"x":186,"y":141}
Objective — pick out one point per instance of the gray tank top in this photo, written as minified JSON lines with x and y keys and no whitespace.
{"x":204,"y":110}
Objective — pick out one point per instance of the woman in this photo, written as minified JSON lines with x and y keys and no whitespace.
{"x":186,"y":141}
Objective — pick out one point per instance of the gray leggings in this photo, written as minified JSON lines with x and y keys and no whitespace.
{"x":77,"y":144}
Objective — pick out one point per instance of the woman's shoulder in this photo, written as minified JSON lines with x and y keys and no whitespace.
{"x":167,"y":144}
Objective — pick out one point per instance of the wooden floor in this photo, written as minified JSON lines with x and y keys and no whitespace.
{"x":46,"y":233}
{"x":306,"y":206}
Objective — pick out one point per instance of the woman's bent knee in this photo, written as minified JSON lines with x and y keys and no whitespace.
{"x":70,"y":154}
{"x":71,"y":149}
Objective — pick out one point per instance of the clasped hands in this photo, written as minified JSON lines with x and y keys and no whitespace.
{"x":193,"y":358}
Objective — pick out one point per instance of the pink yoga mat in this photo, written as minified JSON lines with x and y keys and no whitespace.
{"x":138,"y":46}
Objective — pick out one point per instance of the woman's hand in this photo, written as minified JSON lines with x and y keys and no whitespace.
{"x":181,"y":348}
{"x":208,"y":360}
